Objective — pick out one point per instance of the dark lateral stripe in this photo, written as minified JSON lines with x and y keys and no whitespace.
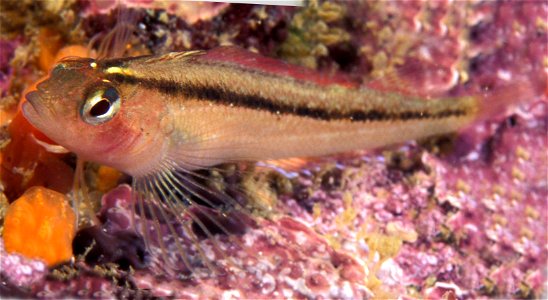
{"x":227,"y":97}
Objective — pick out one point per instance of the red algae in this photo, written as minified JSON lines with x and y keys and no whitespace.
{"x":40,"y":225}
{"x":25,"y":163}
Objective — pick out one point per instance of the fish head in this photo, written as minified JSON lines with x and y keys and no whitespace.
{"x":97,"y":118}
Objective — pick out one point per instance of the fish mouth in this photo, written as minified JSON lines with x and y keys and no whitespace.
{"x":33,"y":98}
{"x":32,"y":108}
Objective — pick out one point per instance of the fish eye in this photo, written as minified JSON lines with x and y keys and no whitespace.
{"x":100,"y":106}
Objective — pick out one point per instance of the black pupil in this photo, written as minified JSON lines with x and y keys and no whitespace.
{"x":100,"y":108}
{"x":109,"y":96}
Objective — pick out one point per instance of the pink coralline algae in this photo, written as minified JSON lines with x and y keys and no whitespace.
{"x":274,"y":258}
{"x":20,"y":270}
{"x":460,"y":217}
{"x":438,"y":45}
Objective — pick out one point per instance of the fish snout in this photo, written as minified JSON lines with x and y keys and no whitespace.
{"x":33,"y":107}
{"x":33,"y":98}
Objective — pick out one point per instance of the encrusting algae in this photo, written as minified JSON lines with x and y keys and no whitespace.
{"x":377,"y":226}
{"x":40,"y":224}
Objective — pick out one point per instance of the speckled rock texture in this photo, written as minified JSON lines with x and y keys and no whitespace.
{"x":459,"y":217}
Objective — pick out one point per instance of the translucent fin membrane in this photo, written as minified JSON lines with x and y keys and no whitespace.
{"x":113,"y":43}
{"x":186,"y":221}
{"x":81,"y":200}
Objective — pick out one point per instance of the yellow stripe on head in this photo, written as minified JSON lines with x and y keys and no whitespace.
{"x":118,"y":70}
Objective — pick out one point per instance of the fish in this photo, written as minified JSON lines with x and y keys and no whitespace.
{"x":158,"y":118}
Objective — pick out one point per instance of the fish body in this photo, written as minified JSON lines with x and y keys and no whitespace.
{"x":161,"y":118}
{"x":197,"y":109}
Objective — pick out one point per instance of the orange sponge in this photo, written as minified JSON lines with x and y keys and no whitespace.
{"x":40,"y":224}
{"x":107,"y":178}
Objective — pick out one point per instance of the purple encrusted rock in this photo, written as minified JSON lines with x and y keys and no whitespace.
{"x":273,"y":258}
{"x":20,"y":270}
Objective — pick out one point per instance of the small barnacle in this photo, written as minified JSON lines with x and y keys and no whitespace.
{"x":331,"y":178}
{"x":216,"y":180}
{"x":488,"y":287}
{"x":499,"y":190}
{"x":333,"y":241}
{"x":439,"y":145}
{"x":463,"y":186}
{"x":522,"y":153}
{"x":499,"y":219}
{"x":380,"y":62}
{"x":524,"y":291}
{"x":517,"y":174}
{"x":331,"y":12}
{"x":316,"y":210}
{"x":312,"y":30}
{"x":406,"y":234}
{"x":430,"y":281}
{"x":532,"y":212}
{"x":261,"y":13}
{"x":445,"y":235}
{"x":259,"y":190}
{"x":516,"y":196}
{"x":526,"y":233}
{"x":413,"y":290}
{"x":386,"y":245}
{"x":349,"y":214}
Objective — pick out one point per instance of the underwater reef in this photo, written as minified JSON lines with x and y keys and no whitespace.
{"x":463,"y":216}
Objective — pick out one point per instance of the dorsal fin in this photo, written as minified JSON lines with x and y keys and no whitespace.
{"x":250,"y":60}
{"x":174,"y":56}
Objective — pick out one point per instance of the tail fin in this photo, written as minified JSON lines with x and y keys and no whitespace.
{"x":497,"y":101}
